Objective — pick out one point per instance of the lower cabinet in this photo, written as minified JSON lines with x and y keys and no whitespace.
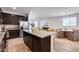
{"x":37,"y":44}
{"x":30,"y":42}
{"x":13,"y":34}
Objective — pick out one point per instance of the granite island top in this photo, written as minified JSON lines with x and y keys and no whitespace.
{"x":2,"y":34}
{"x":40,"y":33}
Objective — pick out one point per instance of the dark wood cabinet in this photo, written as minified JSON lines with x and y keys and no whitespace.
{"x":37,"y":44}
{"x":23,"y":18}
{"x":30,"y":42}
{"x":13,"y":19}
{"x":13,"y":34}
{"x":10,"y":19}
{"x":1,"y":16}
{"x":26,"y":39}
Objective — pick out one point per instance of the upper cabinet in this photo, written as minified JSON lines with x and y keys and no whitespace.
{"x":13,"y":19}
{"x":10,"y":19}
{"x":23,"y":18}
{"x":1,"y":16}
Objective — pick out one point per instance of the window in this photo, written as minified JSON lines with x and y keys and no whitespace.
{"x":70,"y":21}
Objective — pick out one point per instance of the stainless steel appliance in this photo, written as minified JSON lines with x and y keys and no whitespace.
{"x":23,"y":26}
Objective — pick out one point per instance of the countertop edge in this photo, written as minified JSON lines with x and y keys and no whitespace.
{"x":37,"y":35}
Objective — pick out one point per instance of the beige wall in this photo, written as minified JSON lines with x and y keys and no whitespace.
{"x":56,"y":22}
{"x":53,"y":22}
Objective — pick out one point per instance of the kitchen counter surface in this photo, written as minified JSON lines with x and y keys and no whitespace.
{"x":68,"y":30}
{"x":10,"y":27}
{"x":40,"y":33}
{"x":2,"y":34}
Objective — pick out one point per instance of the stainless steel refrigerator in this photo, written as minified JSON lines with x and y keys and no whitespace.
{"x":23,"y":26}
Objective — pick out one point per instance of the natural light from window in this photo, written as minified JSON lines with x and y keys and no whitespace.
{"x":70,"y":21}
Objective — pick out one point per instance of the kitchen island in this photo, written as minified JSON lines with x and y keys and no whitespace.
{"x":39,"y":41}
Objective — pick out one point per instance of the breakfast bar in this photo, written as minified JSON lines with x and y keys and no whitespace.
{"x":39,"y":41}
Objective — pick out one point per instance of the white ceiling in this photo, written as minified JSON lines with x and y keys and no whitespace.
{"x":43,"y":11}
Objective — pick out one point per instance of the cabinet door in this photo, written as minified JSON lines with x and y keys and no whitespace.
{"x":10,"y":19}
{"x":14,"y":19}
{"x":24,"y":38}
{"x":6,"y":18}
{"x":23,"y":18}
{"x":13,"y":34}
{"x":30,"y":42}
{"x":36,"y":44}
{"x":27,"y":40}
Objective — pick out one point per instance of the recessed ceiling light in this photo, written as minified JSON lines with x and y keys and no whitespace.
{"x":14,"y":8}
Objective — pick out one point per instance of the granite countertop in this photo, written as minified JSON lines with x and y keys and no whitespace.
{"x":67,"y":30}
{"x":10,"y":27}
{"x":40,"y":33}
{"x":14,"y":28}
{"x":2,"y":34}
